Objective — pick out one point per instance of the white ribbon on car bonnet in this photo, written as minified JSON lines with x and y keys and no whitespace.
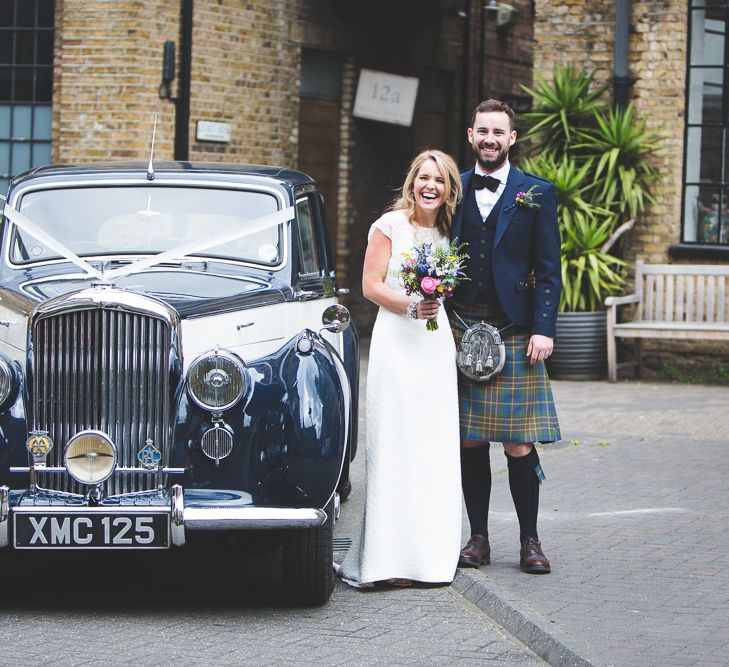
{"x":190,"y":248}
{"x":19,"y":220}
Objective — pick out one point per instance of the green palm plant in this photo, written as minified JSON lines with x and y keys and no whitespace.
{"x":623,"y":173}
{"x":588,"y":271}
{"x":567,"y":102}
{"x":600,"y":162}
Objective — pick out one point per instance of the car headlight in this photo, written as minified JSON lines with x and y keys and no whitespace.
{"x":216,"y":380}
{"x":90,"y":457}
{"x":7,"y":379}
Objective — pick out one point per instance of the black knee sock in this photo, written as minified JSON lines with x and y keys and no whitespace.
{"x":476,"y":482}
{"x":524,"y":485}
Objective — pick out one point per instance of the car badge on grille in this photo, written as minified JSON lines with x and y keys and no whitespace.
{"x":39,"y":444}
{"x":149,"y":456}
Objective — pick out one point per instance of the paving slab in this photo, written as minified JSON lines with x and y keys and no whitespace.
{"x":634,"y":518}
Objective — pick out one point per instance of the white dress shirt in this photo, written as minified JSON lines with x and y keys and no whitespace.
{"x":484,"y":197}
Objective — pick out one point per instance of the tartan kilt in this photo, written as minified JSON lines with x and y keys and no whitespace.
{"x":517,"y":404}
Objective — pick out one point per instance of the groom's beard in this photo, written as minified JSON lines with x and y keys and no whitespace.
{"x":494,"y":163}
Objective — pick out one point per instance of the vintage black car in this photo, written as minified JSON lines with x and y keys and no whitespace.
{"x":173,"y":359}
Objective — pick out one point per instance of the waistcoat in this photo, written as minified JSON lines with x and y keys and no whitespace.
{"x":479,"y":234}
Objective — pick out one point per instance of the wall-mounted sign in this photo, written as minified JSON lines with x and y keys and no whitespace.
{"x":208,"y":130}
{"x":385,"y":97}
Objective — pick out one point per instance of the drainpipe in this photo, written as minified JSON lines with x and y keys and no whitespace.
{"x":466,"y":56}
{"x":182,"y":115}
{"x":622,"y":83}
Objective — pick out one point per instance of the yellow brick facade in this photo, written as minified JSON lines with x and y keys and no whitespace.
{"x":108,"y":69}
{"x":583,"y":31}
{"x":108,"y":65}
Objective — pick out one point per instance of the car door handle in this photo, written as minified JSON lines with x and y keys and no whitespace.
{"x":305,"y":295}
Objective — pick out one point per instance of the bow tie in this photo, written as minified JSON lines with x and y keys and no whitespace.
{"x":479,"y":182}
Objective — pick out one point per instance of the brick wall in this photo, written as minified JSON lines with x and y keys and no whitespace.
{"x":583,"y":31}
{"x":108,"y":65}
{"x":108,"y":69}
{"x":245,"y":72}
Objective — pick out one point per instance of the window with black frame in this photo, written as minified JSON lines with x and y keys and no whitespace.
{"x":706,"y":180}
{"x":26,"y":83}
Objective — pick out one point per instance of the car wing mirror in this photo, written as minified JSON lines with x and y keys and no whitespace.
{"x":336,"y":318}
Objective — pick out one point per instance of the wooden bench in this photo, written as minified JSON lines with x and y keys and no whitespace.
{"x":675,"y":301}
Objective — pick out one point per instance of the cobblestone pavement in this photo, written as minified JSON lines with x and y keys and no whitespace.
{"x":634,"y":518}
{"x":184,"y":609}
{"x":189,"y":608}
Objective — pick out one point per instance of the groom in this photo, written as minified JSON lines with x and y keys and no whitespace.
{"x":509,"y":220}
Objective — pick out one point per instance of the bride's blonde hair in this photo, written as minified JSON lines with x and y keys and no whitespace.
{"x":452,"y":181}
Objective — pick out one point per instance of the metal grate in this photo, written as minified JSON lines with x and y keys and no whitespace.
{"x":342,"y":544}
{"x":107,"y":370}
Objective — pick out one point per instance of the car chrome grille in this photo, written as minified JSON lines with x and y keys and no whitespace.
{"x":107,"y":370}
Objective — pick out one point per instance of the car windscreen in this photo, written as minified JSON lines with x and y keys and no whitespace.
{"x":131,"y":220}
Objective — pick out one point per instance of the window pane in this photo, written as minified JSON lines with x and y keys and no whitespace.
{"x":26,"y":78}
{"x":707,"y":39}
{"x":21,"y":121}
{"x":703,"y":154}
{"x":45,"y":13}
{"x":308,"y":260}
{"x":6,"y":47}
{"x":42,"y":123}
{"x":44,"y":48}
{"x":700,"y":204}
{"x":711,"y":141}
{"x":41,"y":154}
{"x":153,"y":219}
{"x":6,"y":86}
{"x":4,"y":121}
{"x":19,"y":158}
{"x":6,"y":13}
{"x":705,"y":91}
{"x":25,"y":13}
{"x":24,"y":47}
{"x":4,"y":157}
{"x":23,"y":84}
{"x":713,"y":7}
{"x":321,"y":73}
{"x":43,"y":84}
{"x":4,"y":186}
{"x":708,"y":215}
{"x":723,"y":232}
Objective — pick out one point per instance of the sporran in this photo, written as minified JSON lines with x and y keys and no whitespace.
{"x":481,"y":353}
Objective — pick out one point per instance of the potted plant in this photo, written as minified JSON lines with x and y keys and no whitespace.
{"x":598,"y":157}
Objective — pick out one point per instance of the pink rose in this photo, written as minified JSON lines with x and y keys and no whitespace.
{"x":429,"y":285}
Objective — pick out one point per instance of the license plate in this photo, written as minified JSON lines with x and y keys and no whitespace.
{"x":91,"y":530}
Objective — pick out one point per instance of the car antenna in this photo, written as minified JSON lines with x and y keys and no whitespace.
{"x":150,"y":167}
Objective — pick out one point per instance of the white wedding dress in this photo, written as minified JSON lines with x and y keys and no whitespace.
{"x":411,"y":526}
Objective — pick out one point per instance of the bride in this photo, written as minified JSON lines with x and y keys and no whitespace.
{"x":411,"y":527}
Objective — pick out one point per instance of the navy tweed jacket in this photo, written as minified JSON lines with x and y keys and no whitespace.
{"x":526,"y":239}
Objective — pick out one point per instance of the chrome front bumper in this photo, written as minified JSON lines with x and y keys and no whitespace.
{"x":196,"y":516}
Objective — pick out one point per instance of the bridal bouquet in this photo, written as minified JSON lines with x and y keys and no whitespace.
{"x":433,"y":272}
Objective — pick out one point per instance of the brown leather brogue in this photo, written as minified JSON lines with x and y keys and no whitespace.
{"x":533,"y":560}
{"x":476,"y":552}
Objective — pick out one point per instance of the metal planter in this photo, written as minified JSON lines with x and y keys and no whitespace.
{"x":580,"y":349}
